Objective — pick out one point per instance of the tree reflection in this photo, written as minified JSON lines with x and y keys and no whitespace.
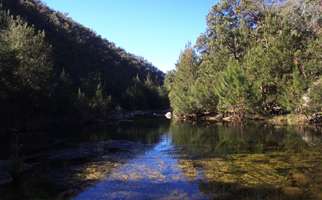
{"x":211,"y":140}
{"x":250,"y":162}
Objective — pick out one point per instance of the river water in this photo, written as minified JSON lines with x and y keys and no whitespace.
{"x":151,"y":159}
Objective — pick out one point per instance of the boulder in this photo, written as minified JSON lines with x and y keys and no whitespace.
{"x":229,"y":119}
{"x":168,"y":115}
{"x":216,"y":118}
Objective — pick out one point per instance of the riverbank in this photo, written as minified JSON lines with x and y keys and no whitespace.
{"x":286,"y":119}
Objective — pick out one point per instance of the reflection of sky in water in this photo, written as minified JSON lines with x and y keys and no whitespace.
{"x":166,"y":170}
{"x":153,"y":175}
{"x":148,"y":159}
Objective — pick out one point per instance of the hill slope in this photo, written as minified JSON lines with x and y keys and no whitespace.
{"x":87,"y":70}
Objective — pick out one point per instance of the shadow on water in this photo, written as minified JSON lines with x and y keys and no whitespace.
{"x":228,"y":191}
{"x":151,"y":159}
{"x":77,"y":160}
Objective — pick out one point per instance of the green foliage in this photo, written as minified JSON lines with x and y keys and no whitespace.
{"x":234,"y":91}
{"x":169,"y":80}
{"x":62,"y":95}
{"x":313,"y":60}
{"x":8,"y":61}
{"x":25,"y":68}
{"x":32,"y":52}
{"x":135,"y":94}
{"x":145,"y":94}
{"x":255,"y":56}
{"x":101,"y":104}
{"x":58,"y":70}
{"x":292,"y":96}
{"x":204,"y":96}
{"x":315,"y":96}
{"x":181,"y":92}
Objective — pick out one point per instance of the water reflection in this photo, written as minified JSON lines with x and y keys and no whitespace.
{"x":220,"y":162}
{"x":220,"y":140}
{"x":152,"y":175}
{"x":149,"y":159}
{"x":141,"y":130}
{"x":252,"y":162}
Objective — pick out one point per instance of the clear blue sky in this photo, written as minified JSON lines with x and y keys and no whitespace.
{"x":154,"y":29}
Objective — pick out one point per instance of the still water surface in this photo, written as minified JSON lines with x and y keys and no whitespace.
{"x":152,"y":159}
{"x":185,"y":161}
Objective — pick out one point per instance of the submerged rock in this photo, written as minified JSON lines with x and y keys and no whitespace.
{"x":293,"y":192}
{"x":300,"y":179}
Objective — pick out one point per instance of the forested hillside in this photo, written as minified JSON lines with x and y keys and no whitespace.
{"x":256,"y":57}
{"x":53,"y":67}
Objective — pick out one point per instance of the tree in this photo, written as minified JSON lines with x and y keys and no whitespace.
{"x":86,"y":59}
{"x":186,"y":73}
{"x":169,"y":80}
{"x":100,"y":103}
{"x":229,"y":26}
{"x":235,"y":92}
{"x":25,"y":68}
{"x":135,"y":95}
{"x":33,"y":55}
{"x":63,"y":96}
{"x":256,"y":56}
{"x":311,"y":58}
{"x":314,"y":103}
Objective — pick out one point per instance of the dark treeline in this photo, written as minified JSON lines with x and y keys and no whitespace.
{"x":53,"y":68}
{"x":256,"y":57}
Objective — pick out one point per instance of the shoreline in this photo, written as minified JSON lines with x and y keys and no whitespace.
{"x":280,"y":120}
{"x":43,"y":124}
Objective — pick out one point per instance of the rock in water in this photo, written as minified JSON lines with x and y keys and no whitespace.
{"x":168,"y":115}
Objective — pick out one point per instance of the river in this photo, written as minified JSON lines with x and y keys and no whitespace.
{"x":151,"y":159}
